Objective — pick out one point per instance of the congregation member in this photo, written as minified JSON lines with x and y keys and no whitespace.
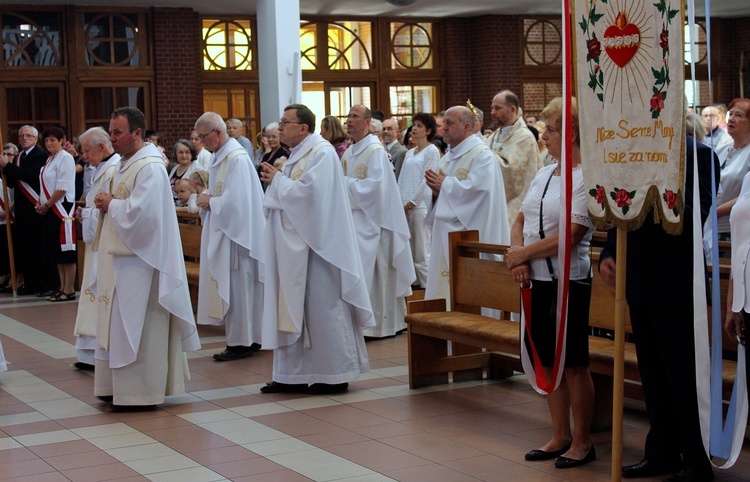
{"x":516,"y":147}
{"x":713,"y":117}
{"x":31,"y":253}
{"x":413,"y":189}
{"x":234,"y":130}
{"x":147,"y":323}
{"x":97,"y":151}
{"x":316,"y":302}
{"x":230,"y":291}
{"x":375,"y":128}
{"x":382,"y":231}
{"x":56,"y":207}
{"x":467,"y":194}
{"x":10,"y":151}
{"x":204,"y":156}
{"x":186,"y":156}
{"x":661,"y":315}
{"x":396,"y":150}
{"x":276,"y":150}
{"x":738,"y":293}
{"x":734,"y":163}
{"x":532,"y":259}
{"x":332,"y":131}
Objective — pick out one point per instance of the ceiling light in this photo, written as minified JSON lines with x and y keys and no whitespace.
{"x":400,"y":3}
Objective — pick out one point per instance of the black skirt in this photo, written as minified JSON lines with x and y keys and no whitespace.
{"x":543,"y":301}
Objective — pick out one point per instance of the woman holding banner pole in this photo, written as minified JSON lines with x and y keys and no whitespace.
{"x":532,"y":259}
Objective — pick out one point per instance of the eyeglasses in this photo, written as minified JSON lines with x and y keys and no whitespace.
{"x":284,"y":123}
{"x":9,"y":154}
{"x":203,"y":136}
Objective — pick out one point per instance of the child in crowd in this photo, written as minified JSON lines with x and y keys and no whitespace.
{"x":184,"y":192}
{"x":199,"y":182}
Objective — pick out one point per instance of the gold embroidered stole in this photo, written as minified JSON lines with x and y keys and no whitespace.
{"x":215,"y":303}
{"x":299,"y":166}
{"x":464,"y":163}
{"x":359,"y":169}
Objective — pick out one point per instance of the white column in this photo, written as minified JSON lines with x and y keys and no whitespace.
{"x":278,"y":57}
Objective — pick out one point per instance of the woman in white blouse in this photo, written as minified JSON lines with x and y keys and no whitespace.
{"x":738,"y":294}
{"x":412,"y":186}
{"x":56,"y":204}
{"x":532,"y":258}
{"x":734,"y":162}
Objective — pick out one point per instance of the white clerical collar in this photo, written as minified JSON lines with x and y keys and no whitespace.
{"x":362,"y":144}
{"x":464,"y":146}
{"x":148,"y":150}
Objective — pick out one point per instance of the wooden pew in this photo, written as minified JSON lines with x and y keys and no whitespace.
{"x":190,"y":235}
{"x":483,"y":346}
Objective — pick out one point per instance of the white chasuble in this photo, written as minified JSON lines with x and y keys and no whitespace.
{"x":231,"y":291}
{"x":382,"y":233}
{"x":310,"y":237}
{"x":87,"y":316}
{"x":143,"y":225}
{"x":471,"y":197}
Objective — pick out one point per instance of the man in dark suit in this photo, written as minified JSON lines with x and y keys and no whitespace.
{"x":659,"y":291}
{"x":391,"y":142}
{"x":31,"y":252}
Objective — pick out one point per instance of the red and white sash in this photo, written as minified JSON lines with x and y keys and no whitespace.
{"x":27,"y":190}
{"x":67,"y":228}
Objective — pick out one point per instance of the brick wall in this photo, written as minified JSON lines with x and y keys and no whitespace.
{"x":483,"y":56}
{"x":735,"y":38}
{"x":177,"y":57}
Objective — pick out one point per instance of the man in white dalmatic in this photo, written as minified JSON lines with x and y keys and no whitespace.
{"x":150,"y":325}
{"x":467,"y":194}
{"x":380,"y":222}
{"x":97,"y":151}
{"x":316,"y":300}
{"x":230,"y":290}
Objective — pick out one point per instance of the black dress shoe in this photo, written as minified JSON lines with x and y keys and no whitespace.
{"x":234,"y":353}
{"x":105,"y":398}
{"x":567,"y":462}
{"x":691,"y":474}
{"x":539,"y":454}
{"x":84,"y":366}
{"x":649,"y":468}
{"x":327,"y":389}
{"x":132,"y":408}
{"x":276,"y":387}
{"x":255,"y":347}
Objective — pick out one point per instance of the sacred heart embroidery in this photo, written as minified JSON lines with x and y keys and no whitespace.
{"x":621,"y":40}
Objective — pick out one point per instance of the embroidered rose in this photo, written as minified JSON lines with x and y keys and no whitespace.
{"x":595,"y":48}
{"x":600,"y":194}
{"x":597,"y":68}
{"x":664,"y":40}
{"x":657,"y":102}
{"x":670,"y":198}
{"x":622,"y":198}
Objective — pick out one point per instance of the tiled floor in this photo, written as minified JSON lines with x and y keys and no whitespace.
{"x":52,"y":428}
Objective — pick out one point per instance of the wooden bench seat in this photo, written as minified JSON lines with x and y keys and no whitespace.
{"x":190,"y":236}
{"x":484,"y":346}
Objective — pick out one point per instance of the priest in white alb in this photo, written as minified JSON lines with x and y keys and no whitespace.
{"x":97,"y":151}
{"x":316,"y":301}
{"x":230,"y":290}
{"x":380,"y":222}
{"x":467,"y":194}
{"x":142,"y":343}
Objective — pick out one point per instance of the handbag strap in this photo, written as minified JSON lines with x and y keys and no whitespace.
{"x":541,"y":222}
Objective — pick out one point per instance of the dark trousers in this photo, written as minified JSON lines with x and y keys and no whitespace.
{"x":666,"y":360}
